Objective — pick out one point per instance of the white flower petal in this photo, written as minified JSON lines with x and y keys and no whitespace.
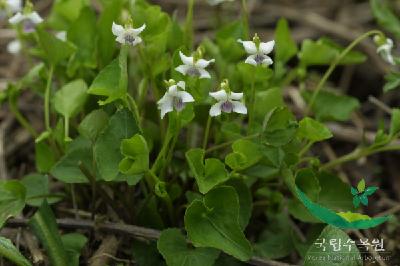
{"x":235,"y":96}
{"x":120,"y":39}
{"x":185,"y":96}
{"x":172,"y":91}
{"x":136,"y":41}
{"x":215,"y":110}
{"x":165,"y":105}
{"x":204,"y":74}
{"x":182,"y":85}
{"x":17,"y":18}
{"x":251,"y":60}
{"x":187,"y":60}
{"x":62,"y":35}
{"x":117,"y":30}
{"x":220,"y":95}
{"x":35,"y":17}
{"x":139,"y":30}
{"x":203,"y":63}
{"x":14,"y":47}
{"x":239,"y":107}
{"x":267,"y":61}
{"x":249,"y":46}
{"x":183,"y":69}
{"x":15,"y":5}
{"x":267,"y":47}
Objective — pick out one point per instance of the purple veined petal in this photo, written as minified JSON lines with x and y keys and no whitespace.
{"x":220,"y":95}
{"x":185,"y":96}
{"x":183,"y":69}
{"x":215,"y":109}
{"x":267,"y":47}
{"x":251,"y":60}
{"x":204,"y":74}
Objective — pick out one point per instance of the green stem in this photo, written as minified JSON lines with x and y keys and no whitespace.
{"x":245,"y":19}
{"x":228,"y":143}
{"x":47,"y":99}
{"x":252,"y":106}
{"x":135,"y":110}
{"x":336,"y":62}
{"x":189,"y":24}
{"x":12,"y":101}
{"x":357,"y":154}
{"x":207,"y":132}
{"x":305,"y":149}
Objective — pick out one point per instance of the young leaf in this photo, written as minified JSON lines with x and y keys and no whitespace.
{"x":55,"y":49}
{"x":392,"y":82}
{"x":107,"y":83}
{"x":74,"y":244}
{"x":122,"y":125}
{"x":349,"y":256}
{"x":208,"y":173}
{"x":370,"y":190}
{"x":175,"y":250}
{"x":286,"y":47}
{"x":385,"y":17}
{"x":12,"y":199}
{"x":70,"y":99}
{"x":10,"y":252}
{"x":245,"y":154}
{"x":313,"y":130}
{"x":361,"y":186}
{"x":44,"y":225}
{"x":218,"y":215}
{"x":136,"y":154}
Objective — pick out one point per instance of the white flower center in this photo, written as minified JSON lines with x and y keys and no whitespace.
{"x":227,"y":107}
{"x":259,"y":58}
{"x":129,"y":38}
{"x":193,"y":71}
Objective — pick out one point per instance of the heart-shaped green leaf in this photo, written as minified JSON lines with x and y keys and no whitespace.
{"x":245,"y":154}
{"x":70,"y":98}
{"x":214,"y":222}
{"x":176,"y":251}
{"x":12,"y":199}
{"x":208,"y":173}
{"x":313,"y":130}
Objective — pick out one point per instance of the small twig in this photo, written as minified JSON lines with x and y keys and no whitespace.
{"x":126,"y":230}
{"x":108,"y":246}
{"x":380,"y":104}
{"x":31,"y":243}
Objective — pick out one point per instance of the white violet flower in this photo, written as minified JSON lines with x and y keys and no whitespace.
{"x":194,"y":65}
{"x":217,"y":2}
{"x":228,"y":101}
{"x":9,"y":7}
{"x":61,"y":35}
{"x":28,"y":17}
{"x":385,"y":49}
{"x":14,"y":47}
{"x":128,"y":34}
{"x":258,"y":51}
{"x":175,"y":98}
